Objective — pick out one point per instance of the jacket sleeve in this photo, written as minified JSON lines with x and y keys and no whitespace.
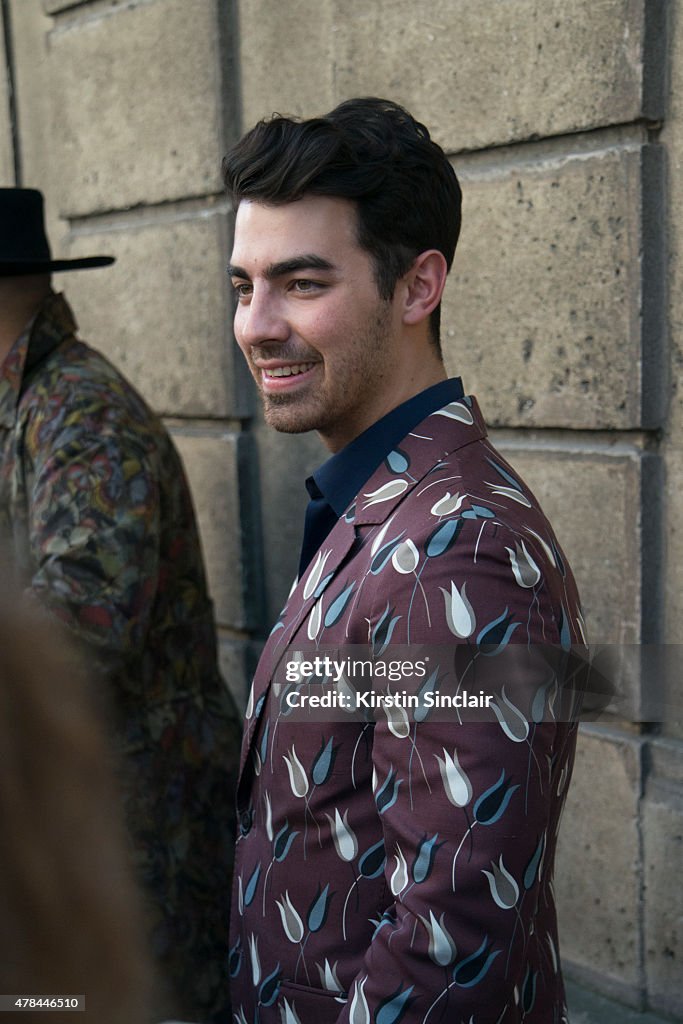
{"x":469,"y":809}
{"x":93,"y":518}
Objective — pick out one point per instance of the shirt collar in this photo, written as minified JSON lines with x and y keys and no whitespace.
{"x":51,"y":324}
{"x":340,"y":478}
{"x":11,"y":375}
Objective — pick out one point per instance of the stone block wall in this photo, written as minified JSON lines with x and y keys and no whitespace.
{"x":563,"y":314}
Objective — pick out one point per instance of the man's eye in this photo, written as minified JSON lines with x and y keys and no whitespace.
{"x":304,"y":285}
{"x":242,"y":291}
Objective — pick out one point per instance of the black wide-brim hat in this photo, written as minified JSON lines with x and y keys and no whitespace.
{"x":24,"y":248}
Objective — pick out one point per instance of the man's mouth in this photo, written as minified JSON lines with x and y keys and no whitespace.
{"x":288,"y":371}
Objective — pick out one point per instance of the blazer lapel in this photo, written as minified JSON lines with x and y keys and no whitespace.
{"x":425,"y":450}
{"x":306,"y":591}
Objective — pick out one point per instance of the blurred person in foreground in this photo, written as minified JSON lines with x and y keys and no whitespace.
{"x":102,"y":530}
{"x":396,"y":867}
{"x":71,"y":921}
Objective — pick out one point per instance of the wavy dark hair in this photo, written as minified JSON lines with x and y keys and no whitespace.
{"x":372,"y":152}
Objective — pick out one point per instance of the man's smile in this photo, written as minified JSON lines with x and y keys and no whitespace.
{"x":290,"y":370}
{"x":278,"y":377}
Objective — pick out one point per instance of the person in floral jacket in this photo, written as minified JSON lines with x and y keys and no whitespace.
{"x":393,"y":865}
{"x":97,"y":515}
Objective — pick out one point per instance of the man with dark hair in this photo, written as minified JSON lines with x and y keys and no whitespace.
{"x":349,"y":155}
{"x":97,"y":514}
{"x":396,"y":866}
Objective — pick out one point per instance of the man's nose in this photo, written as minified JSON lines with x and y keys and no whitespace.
{"x":261,"y":320}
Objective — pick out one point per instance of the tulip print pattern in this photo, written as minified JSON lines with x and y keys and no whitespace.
{"x":398,"y":870}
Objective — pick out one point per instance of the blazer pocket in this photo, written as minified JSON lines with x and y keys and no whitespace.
{"x":312,"y":1005}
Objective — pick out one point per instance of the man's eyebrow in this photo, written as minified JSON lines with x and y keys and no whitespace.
{"x":307,"y":261}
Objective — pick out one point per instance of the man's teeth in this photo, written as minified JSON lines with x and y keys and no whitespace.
{"x":289,"y":371}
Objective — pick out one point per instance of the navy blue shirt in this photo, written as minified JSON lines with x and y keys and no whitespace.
{"x":335,"y":484}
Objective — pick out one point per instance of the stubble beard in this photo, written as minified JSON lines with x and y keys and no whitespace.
{"x":281,"y":414}
{"x":290,"y":413}
{"x":299,"y":413}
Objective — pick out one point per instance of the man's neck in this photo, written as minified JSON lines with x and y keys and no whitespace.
{"x":20,"y":300}
{"x":416,"y":376}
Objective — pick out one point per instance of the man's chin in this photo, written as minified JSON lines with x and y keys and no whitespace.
{"x":287,"y":420}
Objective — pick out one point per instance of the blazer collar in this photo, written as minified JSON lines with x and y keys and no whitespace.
{"x":422,"y":451}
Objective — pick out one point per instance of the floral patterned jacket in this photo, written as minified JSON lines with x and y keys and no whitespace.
{"x":102,"y":531}
{"x":400,"y":869}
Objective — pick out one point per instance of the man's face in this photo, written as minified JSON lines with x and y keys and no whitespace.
{"x":321,"y":344}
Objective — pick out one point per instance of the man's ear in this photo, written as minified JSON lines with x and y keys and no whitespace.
{"x":424,"y":284}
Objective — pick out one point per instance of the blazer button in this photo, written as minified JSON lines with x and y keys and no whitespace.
{"x":245,"y":822}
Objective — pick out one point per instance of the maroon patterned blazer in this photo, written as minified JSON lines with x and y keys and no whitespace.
{"x":400,"y":869}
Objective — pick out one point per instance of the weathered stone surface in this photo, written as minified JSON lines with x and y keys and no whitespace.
{"x":592,"y":498}
{"x":136,"y":93}
{"x":6,"y":149}
{"x":597,"y":878}
{"x":587,"y":1007}
{"x":476,"y":73}
{"x":284,"y":461}
{"x":32,"y":97}
{"x":286,"y":56}
{"x":672,"y":565}
{"x":672,"y":577}
{"x":162,"y":312}
{"x":663,"y":855}
{"x":211,"y":462}
{"x":542,"y":314}
{"x":55,"y":6}
{"x":672,"y":135}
